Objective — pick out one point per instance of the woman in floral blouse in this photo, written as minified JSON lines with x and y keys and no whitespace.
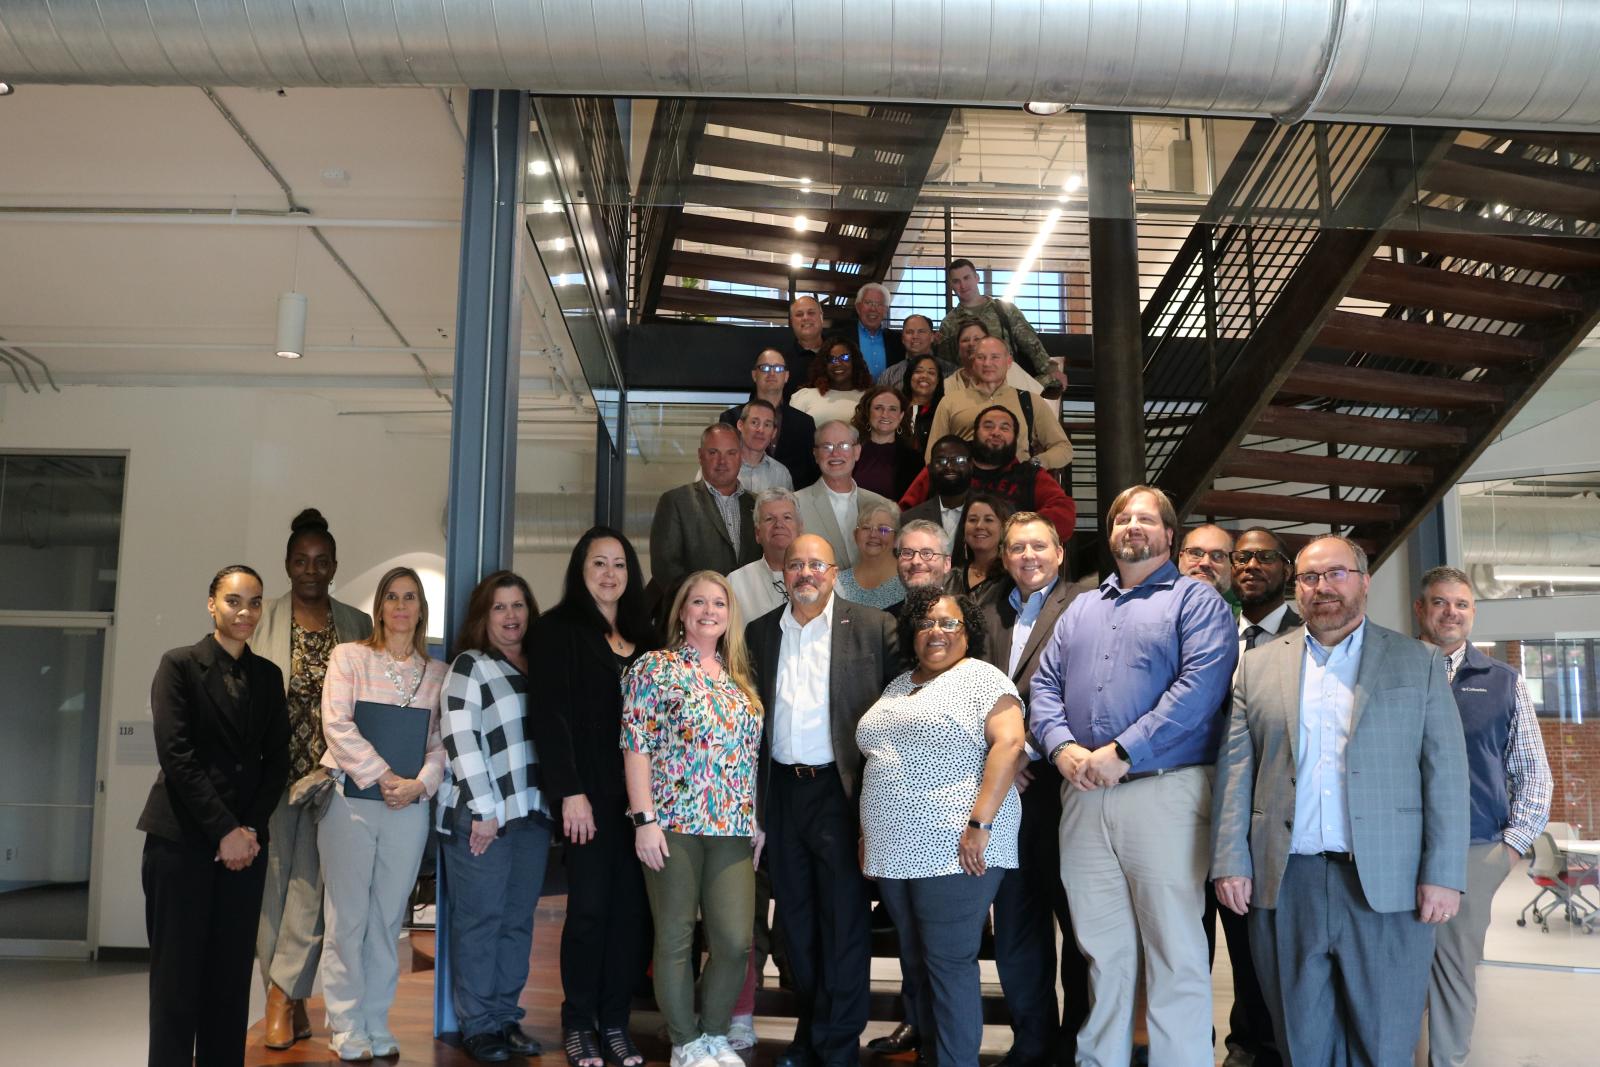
{"x":691,"y":732}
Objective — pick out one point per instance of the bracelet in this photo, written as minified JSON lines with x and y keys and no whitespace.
{"x":976,"y":825}
{"x":1056,"y":752}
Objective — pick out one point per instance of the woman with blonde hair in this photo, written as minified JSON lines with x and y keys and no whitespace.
{"x":691,"y":735}
{"x":371,"y":838}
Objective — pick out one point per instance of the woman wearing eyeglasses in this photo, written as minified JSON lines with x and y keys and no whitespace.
{"x":939,"y":810}
{"x":875,"y":579}
{"x":838,"y":382}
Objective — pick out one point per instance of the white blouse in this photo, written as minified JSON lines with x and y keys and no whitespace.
{"x":925,"y":750}
{"x":838,"y":404}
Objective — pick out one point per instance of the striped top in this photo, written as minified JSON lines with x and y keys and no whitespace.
{"x":355,"y":673}
{"x":493,"y":767}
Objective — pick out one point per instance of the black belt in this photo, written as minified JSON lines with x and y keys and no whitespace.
{"x":806,"y":770}
{"x":1134,"y":776}
{"x":1338,"y":857}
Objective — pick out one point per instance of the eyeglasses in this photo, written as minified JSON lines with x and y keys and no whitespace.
{"x":1308,"y":580}
{"x":949,"y":626}
{"x":950,"y":461}
{"x":926,"y":555}
{"x":881,"y":531}
{"x":815,"y":566}
{"x":1261,"y":555}
{"x":830,"y":447}
{"x":771,"y":368}
{"x":842,"y":357}
{"x":1195,"y":555}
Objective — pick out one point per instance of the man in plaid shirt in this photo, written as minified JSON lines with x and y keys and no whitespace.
{"x":1510,"y":790}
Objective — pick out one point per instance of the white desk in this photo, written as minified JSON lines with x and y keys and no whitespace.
{"x":1587,"y":849}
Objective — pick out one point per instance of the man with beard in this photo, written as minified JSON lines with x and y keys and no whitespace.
{"x":1261,"y":572}
{"x":947,"y":478}
{"x":922,"y":559}
{"x":795,"y":430}
{"x":1341,"y":818}
{"x":1510,"y":789}
{"x":1045,"y":440}
{"x":1032,"y":900}
{"x":829,"y":508}
{"x":1206,"y":556}
{"x":996,"y":469}
{"x":1127,"y":702}
{"x":819,"y":663}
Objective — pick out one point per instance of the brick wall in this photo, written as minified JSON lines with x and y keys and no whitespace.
{"x":1574,"y":753}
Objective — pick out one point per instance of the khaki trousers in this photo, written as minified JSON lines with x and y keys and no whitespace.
{"x":1457,"y":950}
{"x":289,"y":938}
{"x":1134,"y":859}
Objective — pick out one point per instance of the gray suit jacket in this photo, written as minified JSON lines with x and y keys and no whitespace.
{"x":687,"y":534}
{"x":865,"y":658}
{"x":271,"y":640}
{"x":1405,"y":771}
{"x":816,"y":512}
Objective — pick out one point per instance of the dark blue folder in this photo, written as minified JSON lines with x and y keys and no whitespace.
{"x":399,"y":734}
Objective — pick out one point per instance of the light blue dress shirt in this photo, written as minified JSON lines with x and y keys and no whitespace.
{"x":1027,"y":616}
{"x":1327,"y":701}
{"x":871,"y":345}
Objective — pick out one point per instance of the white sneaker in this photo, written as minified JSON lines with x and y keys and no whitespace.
{"x":384,"y":1044}
{"x":351,"y":1045}
{"x":697,"y":1053}
{"x":722,"y":1051}
{"x":742,"y":1032}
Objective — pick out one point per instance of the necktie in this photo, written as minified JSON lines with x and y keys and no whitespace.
{"x":1449,"y":670}
{"x":1251,"y":634}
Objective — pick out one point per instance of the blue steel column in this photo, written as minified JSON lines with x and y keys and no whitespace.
{"x":483,"y":423}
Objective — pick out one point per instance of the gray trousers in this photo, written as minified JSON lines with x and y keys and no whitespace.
{"x":370,"y":856}
{"x":1133,"y":861}
{"x":1458,"y":947}
{"x":1345,"y":984}
{"x":289,"y":939}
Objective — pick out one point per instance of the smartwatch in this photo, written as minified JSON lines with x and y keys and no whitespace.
{"x":1122,"y":753}
{"x":976,"y":825}
{"x":642,"y":818}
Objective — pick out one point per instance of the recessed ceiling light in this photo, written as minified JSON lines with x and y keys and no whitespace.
{"x":801,"y":222}
{"x":1072,"y":184}
{"x":795,"y":260}
{"x":551,"y":207}
{"x":1043,"y":108}
{"x":538,"y":168}
{"x":6,"y":88}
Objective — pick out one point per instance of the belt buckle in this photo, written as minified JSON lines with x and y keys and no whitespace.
{"x":804,"y":770}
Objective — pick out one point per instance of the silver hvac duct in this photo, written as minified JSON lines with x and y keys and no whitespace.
{"x":1524,"y":64}
{"x":1530,"y":531}
{"x":553,"y":522}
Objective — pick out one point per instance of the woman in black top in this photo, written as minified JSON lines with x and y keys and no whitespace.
{"x":577,"y":655}
{"x":222,"y":739}
{"x":976,"y":566}
{"x":923,"y":386}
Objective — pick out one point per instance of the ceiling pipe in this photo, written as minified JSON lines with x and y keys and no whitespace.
{"x":1524,"y":65}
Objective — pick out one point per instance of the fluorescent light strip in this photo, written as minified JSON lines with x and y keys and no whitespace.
{"x":1558,"y":575}
{"x":1031,"y":257}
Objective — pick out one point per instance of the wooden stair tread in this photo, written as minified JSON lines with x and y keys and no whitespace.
{"x":815,"y":123}
{"x":714,"y":230}
{"x":1425,"y":341}
{"x":776,"y":199}
{"x":711,"y":302}
{"x":755,"y":157}
{"x":1302,"y":424}
{"x":761,"y":272}
{"x":1387,"y":388}
{"x":1279,"y":506}
{"x":1278,"y":466}
{"x":1424,"y":287}
{"x":1494,"y":177}
{"x":1558,"y":255}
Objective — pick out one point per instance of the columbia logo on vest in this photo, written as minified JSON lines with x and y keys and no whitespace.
{"x":1473,"y":689}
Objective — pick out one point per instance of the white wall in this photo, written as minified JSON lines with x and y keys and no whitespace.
{"x":214,"y":475}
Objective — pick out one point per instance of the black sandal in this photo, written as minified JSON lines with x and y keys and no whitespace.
{"x":582,"y":1048}
{"x":620,"y":1049}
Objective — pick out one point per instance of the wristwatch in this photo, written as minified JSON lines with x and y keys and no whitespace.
{"x":1122,"y":753}
{"x":976,"y":825}
{"x":642,"y":818}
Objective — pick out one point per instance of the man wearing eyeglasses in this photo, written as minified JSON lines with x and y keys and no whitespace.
{"x":795,"y":431}
{"x":1341,"y":818}
{"x":1032,"y":901}
{"x":944,"y":483}
{"x":820,"y":663}
{"x":1127,"y":702}
{"x":1206,"y":556}
{"x":830,"y":507}
{"x":1261,"y":572}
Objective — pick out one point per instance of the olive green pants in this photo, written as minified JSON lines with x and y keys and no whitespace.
{"x":713,"y":878}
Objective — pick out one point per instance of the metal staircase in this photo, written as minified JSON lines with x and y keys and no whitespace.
{"x":726,"y":183}
{"x":1359,"y":313}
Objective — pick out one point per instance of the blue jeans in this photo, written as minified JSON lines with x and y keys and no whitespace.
{"x":940,"y":921}
{"x":492,"y":900}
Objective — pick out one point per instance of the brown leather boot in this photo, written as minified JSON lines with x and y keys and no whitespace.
{"x":302,"y":1021}
{"x":280,"y":1018}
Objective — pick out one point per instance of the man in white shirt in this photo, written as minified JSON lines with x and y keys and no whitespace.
{"x":758,"y":587}
{"x":820,"y":663}
{"x":829,"y":507}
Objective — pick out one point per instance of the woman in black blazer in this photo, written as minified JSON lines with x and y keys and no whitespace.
{"x":577,"y":654}
{"x":222,"y":738}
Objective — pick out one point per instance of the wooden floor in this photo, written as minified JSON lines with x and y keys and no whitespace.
{"x":411,"y":1018}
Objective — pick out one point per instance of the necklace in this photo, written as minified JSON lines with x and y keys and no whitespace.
{"x":618,"y":643}
{"x":391,"y":669}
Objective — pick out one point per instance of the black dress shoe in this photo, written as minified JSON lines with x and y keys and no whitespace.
{"x":795,"y":1057}
{"x":518,"y":1041}
{"x":487,"y":1048}
{"x":904,"y":1038}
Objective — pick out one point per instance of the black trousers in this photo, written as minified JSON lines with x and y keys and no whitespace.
{"x":201,"y":920}
{"x":822,"y":913}
{"x":605,"y":944}
{"x":1249,"y":1021}
{"x":1030,"y":901}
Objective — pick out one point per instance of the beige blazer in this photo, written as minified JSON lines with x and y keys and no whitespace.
{"x":271,"y":640}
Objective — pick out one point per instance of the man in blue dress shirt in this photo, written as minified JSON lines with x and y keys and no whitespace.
{"x":1128,"y":702}
{"x":880,"y":346}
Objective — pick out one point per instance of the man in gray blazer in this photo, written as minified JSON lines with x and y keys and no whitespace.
{"x":1340,"y":819}
{"x":820,"y":662}
{"x":831,"y":506}
{"x":708,"y":524}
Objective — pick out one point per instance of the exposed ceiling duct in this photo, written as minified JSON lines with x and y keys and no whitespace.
{"x":1521,"y":65}
{"x":1522,"y":531}
{"x":553,"y":522}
